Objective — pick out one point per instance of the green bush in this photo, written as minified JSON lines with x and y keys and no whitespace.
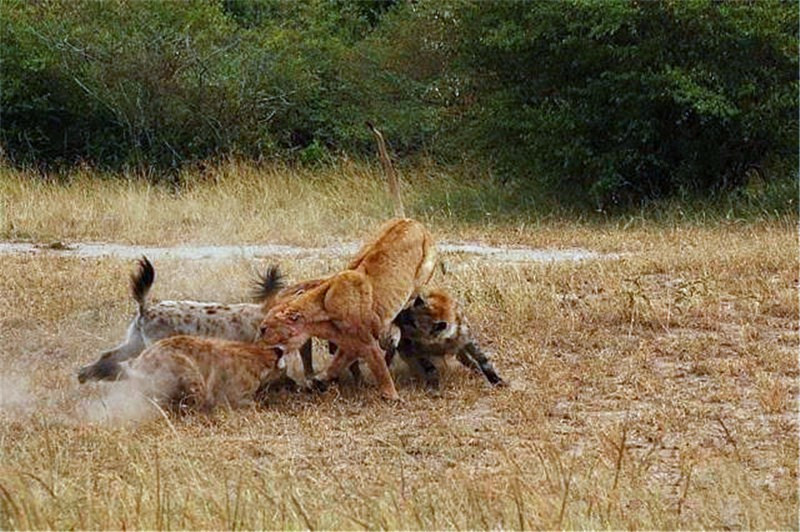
{"x":155,"y":83}
{"x":119,"y":83}
{"x":615,"y":102}
{"x":605,"y":103}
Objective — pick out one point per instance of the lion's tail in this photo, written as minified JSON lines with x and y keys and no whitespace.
{"x":388,"y":168}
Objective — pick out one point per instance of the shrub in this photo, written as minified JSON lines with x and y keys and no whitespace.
{"x":621,"y":101}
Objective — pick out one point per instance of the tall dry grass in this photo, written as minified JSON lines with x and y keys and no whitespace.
{"x":656,"y":390}
{"x":233,"y":202}
{"x":238,"y":202}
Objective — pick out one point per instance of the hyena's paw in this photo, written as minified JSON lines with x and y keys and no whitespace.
{"x":316,"y":384}
{"x":495,"y":380}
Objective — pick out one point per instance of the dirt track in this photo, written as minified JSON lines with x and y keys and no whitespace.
{"x":210,"y":252}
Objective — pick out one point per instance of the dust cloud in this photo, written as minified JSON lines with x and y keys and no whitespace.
{"x":122,"y":402}
{"x":15,"y":395}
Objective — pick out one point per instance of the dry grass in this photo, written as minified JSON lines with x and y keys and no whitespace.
{"x":231,"y":203}
{"x":655,"y":391}
{"x":238,"y":203}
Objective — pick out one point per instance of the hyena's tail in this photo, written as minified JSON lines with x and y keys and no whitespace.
{"x":267,"y":284}
{"x":141,"y":281}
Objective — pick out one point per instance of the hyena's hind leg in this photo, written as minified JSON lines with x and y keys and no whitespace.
{"x":472,"y":357}
{"x":107,"y":367}
{"x":306,"y":356}
{"x":286,"y":382}
{"x":423,"y":366}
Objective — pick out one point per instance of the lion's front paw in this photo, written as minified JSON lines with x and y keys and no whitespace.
{"x":391,"y":396}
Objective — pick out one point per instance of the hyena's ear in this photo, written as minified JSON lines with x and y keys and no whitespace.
{"x":439,"y":326}
{"x":405,"y":317}
{"x":419,"y":302}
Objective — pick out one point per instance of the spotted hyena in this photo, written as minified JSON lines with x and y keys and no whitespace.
{"x":185,"y":373}
{"x":421,"y":341}
{"x":165,"y":319}
{"x":432,"y":327}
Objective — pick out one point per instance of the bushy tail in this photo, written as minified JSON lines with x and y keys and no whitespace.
{"x":388,"y":168}
{"x":141,"y":281}
{"x":267,"y":284}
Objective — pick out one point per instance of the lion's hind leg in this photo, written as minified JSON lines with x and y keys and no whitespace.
{"x":353,"y":325}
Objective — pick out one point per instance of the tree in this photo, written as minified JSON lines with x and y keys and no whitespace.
{"x":621,"y":101}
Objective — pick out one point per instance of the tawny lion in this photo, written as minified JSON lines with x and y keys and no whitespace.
{"x":355,"y":308}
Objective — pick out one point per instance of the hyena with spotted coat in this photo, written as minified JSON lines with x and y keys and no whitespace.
{"x":432,"y":327}
{"x":165,"y":319}
{"x":421,"y":325}
{"x":184,"y":373}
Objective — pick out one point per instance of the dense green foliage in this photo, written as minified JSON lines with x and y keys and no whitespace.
{"x":611,"y":102}
{"x":634,"y":99}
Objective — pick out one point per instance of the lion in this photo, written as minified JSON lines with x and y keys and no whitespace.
{"x":354,"y":308}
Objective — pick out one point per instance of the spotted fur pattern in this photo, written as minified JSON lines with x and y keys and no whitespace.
{"x":165,"y":319}
{"x":433,"y":327}
{"x":186,"y":373}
